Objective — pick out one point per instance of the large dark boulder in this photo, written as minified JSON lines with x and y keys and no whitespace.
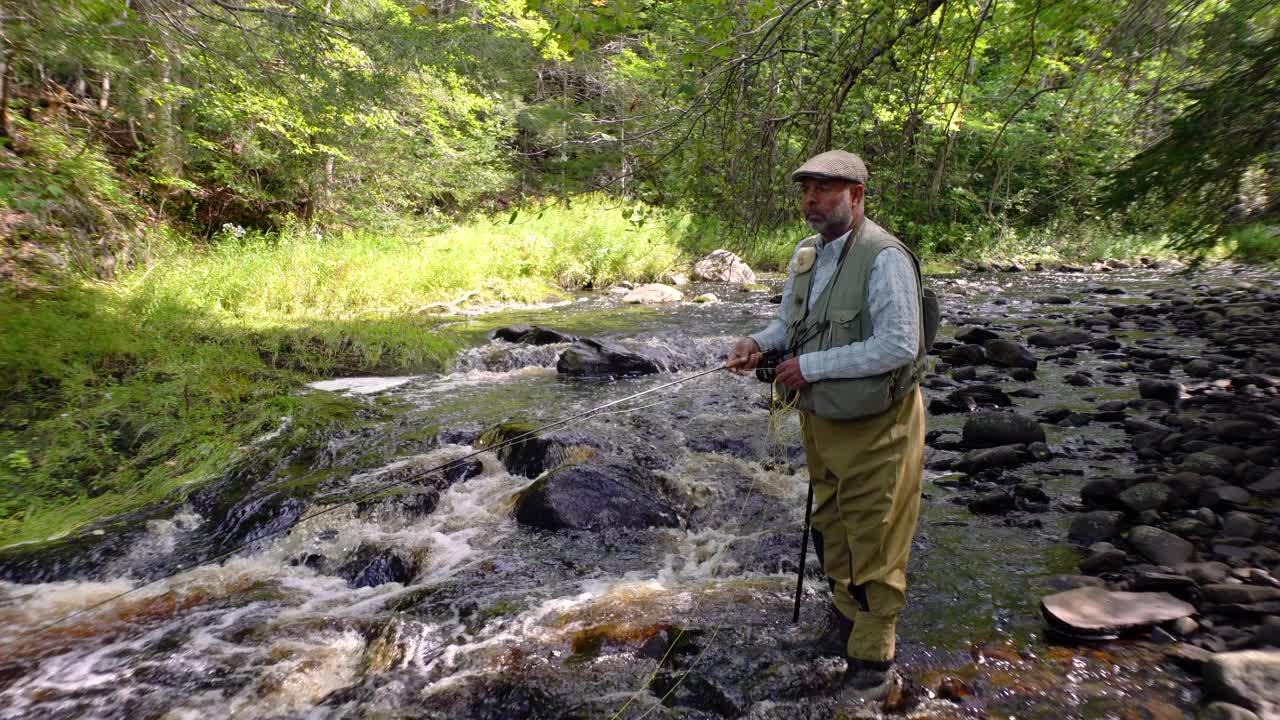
{"x":989,"y":429}
{"x":1091,"y":527}
{"x":965,"y":355}
{"x":594,"y":497}
{"x":532,"y":335}
{"x":524,"y":453}
{"x":1059,"y":338}
{"x":1007,"y":353}
{"x":1166,"y":391}
{"x":991,"y":458}
{"x":1160,"y":547}
{"x":371,"y":566}
{"x":596,"y":359}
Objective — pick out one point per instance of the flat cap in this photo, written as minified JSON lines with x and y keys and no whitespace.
{"x":834,"y":164}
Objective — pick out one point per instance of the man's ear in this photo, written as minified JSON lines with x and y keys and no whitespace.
{"x":857,"y":192}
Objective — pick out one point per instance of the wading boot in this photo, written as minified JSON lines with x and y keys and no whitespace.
{"x":833,"y":638}
{"x":871,"y":681}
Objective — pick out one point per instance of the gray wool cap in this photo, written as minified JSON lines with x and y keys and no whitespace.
{"x":834,"y":164}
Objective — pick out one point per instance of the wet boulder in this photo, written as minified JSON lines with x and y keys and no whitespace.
{"x":1007,"y":353}
{"x":1205,"y":463}
{"x":972,"y":397}
{"x":372,"y":566}
{"x":1166,"y":391}
{"x":964,"y":355}
{"x":1146,"y":496}
{"x":597,"y":359}
{"x":991,"y":458}
{"x":524,"y":453}
{"x":1090,"y":527}
{"x":976,"y":336}
{"x":1059,"y":338}
{"x":531,"y":335}
{"x":990,"y":429}
{"x":723,"y":266}
{"x":996,"y":502}
{"x":593,"y":497}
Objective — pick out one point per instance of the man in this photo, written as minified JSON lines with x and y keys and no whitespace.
{"x":850,"y":328}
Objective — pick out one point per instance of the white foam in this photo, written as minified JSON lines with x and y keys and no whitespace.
{"x":362,"y":385}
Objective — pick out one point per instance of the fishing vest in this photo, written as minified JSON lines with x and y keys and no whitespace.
{"x":841,"y":315}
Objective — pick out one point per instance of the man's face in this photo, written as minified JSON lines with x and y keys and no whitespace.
{"x":829,"y":205}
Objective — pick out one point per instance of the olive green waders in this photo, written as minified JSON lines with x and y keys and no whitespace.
{"x":866,"y":491}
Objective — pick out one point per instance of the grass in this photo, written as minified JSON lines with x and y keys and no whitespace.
{"x":120,"y":394}
{"x":1257,"y":243}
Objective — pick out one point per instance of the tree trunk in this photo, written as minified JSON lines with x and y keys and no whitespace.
{"x":104,"y":96}
{"x":4,"y":94}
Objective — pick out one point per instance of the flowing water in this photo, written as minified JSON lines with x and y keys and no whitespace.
{"x":500,"y":621}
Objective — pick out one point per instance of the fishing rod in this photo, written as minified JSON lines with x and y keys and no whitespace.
{"x":585,"y":414}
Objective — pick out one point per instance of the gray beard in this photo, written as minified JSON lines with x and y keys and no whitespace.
{"x":839,"y":222}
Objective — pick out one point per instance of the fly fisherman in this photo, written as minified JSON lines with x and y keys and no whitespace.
{"x":850,"y":328}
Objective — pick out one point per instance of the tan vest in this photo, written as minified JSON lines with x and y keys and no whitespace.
{"x":841,"y":315}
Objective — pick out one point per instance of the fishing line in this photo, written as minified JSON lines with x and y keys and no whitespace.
{"x":578,"y":417}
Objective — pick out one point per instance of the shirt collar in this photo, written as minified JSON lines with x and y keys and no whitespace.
{"x":838,"y":243}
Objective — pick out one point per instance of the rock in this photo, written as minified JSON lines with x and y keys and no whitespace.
{"x":591,"y":497}
{"x":1059,"y":338}
{"x":1233,"y":430}
{"x":1102,"y":492}
{"x":1091,"y":611}
{"x":974,"y":396}
{"x":1204,"y":463}
{"x":371,"y":566}
{"x":976,"y":336}
{"x":1268,"y":486}
{"x":652,"y":294}
{"x":1225,"y":711}
{"x":1268,"y":635}
{"x":675,"y":279}
{"x":707,"y":299}
{"x":993,"y":503}
{"x":1146,"y":496}
{"x":1200,"y":368}
{"x":723,"y":266}
{"x":529,"y":456}
{"x":1185,"y":626}
{"x":996,"y":457}
{"x":1091,"y":527}
{"x":1240,"y":594}
{"x":1104,"y":561}
{"x":1204,"y":573}
{"x":1166,"y":391}
{"x":1248,"y":678}
{"x":989,"y":429}
{"x":1007,"y":353}
{"x":1224,"y":496}
{"x":964,"y":355}
{"x":1238,"y":524}
{"x":1160,"y":547}
{"x":597,"y":359}
{"x":1052,"y":300}
{"x":531,"y":335}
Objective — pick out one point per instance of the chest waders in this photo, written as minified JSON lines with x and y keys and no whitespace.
{"x":864,"y":445}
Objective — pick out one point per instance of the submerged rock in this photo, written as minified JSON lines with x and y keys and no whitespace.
{"x":531,"y":335}
{"x":1092,"y":611}
{"x":372,"y":566}
{"x":1007,"y":353}
{"x":989,"y":429}
{"x":593,"y":497}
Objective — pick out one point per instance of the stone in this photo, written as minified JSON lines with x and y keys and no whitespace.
{"x":1204,"y":463}
{"x":1146,"y":496}
{"x":1103,"y":561}
{"x":995,"y":502}
{"x":1239,"y":594}
{"x":593,"y":497}
{"x":1160,"y":547}
{"x":996,"y":457}
{"x":1268,"y":486}
{"x":1226,"y":711}
{"x":989,"y":429}
{"x":707,"y":299}
{"x":372,"y":566}
{"x":1185,"y":626}
{"x":1233,"y":430}
{"x":531,"y":335}
{"x":1102,"y":492}
{"x":1059,"y":338}
{"x":653,"y":294}
{"x":598,"y":359}
{"x":1248,"y":678}
{"x":1204,"y":573}
{"x":1200,"y":368}
{"x":1268,"y":634}
{"x":723,"y":266}
{"x":1166,"y":391}
{"x":1238,"y":524}
{"x":1052,"y":300}
{"x":964,"y":355}
{"x":1006,"y":353}
{"x":974,"y":396}
{"x":1224,"y":496}
{"x":975,"y":336}
{"x":1093,"y":526}
{"x":1094,"y":611}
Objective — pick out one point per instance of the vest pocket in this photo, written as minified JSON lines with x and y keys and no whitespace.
{"x":845,"y":327}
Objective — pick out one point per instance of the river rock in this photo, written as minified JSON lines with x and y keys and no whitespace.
{"x":1204,"y":463}
{"x":1059,"y":338}
{"x":1241,"y":594}
{"x":996,"y":457}
{"x":1166,"y":391}
{"x":1238,"y":524}
{"x":653,"y":294}
{"x":1226,"y":711}
{"x":371,"y":566}
{"x":965,"y":355}
{"x":976,"y":336}
{"x":597,"y":359}
{"x":723,"y":266}
{"x":1200,"y":368}
{"x":1094,"y":611}
{"x":1204,"y":573}
{"x":1100,"y":492}
{"x":1146,"y":496}
{"x":1103,"y":559}
{"x":592,"y":497}
{"x":974,"y":396}
{"x":528,"y":455}
{"x":531,"y":335}
{"x":1248,"y":678}
{"x":1268,"y":486}
{"x":996,"y":502}
{"x":707,"y":299}
{"x":989,"y":429}
{"x":1224,"y":496}
{"x":1090,"y":527}
{"x":1160,"y":547}
{"x":1052,"y":300}
{"x":1007,"y":353}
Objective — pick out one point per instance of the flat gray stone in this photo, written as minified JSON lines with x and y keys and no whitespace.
{"x":1094,"y":611}
{"x":1243,"y":594}
{"x":1093,"y":526}
{"x":1249,"y":678}
{"x":1146,"y":496}
{"x":1160,"y":547}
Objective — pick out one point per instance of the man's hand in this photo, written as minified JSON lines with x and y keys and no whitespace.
{"x":789,"y":374}
{"x":744,"y":356}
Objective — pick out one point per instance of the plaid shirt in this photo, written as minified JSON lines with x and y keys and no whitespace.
{"x":895,"y":318}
